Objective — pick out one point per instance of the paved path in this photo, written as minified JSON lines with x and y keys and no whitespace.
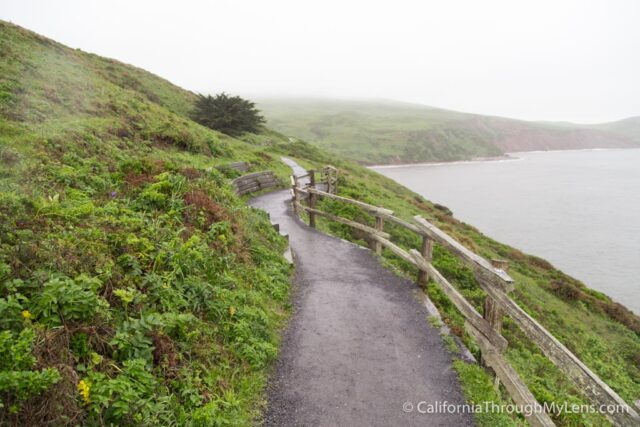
{"x":358,"y":345}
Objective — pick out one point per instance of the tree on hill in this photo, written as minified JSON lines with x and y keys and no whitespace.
{"x":228,"y":114}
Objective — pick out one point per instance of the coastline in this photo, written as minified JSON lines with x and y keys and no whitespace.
{"x":594,"y":280}
{"x":505,"y":157}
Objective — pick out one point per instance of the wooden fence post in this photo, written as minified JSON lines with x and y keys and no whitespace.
{"x":294,"y":193}
{"x":312,"y":198}
{"x":377,"y":246}
{"x":335,"y":181}
{"x":332,"y":181}
{"x":427,"y":253}
{"x":492,"y":311}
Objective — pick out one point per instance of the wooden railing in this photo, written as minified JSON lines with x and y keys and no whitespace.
{"x":255,"y":182}
{"x":484,"y":328}
{"x":329,"y":176}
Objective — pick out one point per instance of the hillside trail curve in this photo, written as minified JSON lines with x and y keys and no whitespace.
{"x":358,"y":349}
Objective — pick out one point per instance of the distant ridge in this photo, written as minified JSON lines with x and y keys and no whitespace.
{"x":391,"y":132}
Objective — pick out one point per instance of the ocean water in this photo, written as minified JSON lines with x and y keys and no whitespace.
{"x":580,"y":210}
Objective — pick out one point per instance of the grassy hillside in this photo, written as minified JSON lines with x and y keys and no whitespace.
{"x":387,"y":132}
{"x":137,"y":289}
{"x":602,"y":333}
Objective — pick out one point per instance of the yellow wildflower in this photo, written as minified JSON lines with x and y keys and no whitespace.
{"x":26,"y":314}
{"x":83,"y":388}
{"x":232,"y":310}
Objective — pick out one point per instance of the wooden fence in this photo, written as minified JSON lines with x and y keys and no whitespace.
{"x":484,"y":328}
{"x":329,"y":176}
{"x":255,"y":182}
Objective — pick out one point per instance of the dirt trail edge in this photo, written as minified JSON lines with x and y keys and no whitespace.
{"x":358,"y":345}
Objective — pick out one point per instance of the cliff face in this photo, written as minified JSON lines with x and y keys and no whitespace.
{"x":514,"y":136}
{"x":573,"y":140}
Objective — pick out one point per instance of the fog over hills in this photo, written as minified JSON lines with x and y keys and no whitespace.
{"x":383,"y":131}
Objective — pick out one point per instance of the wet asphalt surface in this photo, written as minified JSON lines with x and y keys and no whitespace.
{"x":358,"y":345}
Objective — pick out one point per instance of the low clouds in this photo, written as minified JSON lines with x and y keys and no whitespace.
{"x":550,"y":60}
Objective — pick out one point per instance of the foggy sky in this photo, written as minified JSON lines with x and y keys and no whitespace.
{"x":538,"y":60}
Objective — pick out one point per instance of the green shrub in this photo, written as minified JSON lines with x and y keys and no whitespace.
{"x":11,"y":309}
{"x":66,"y":300}
{"x":228,"y":114}
{"x":133,"y":338}
{"x":18,"y":380}
{"x":128,"y":398}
